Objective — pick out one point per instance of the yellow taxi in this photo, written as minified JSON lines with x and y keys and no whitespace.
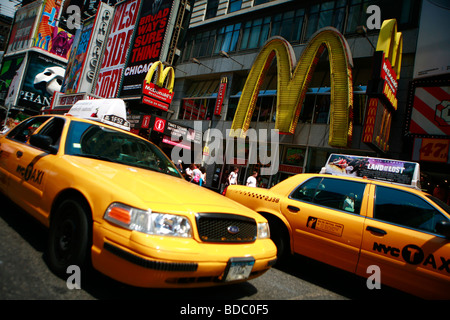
{"x":113,"y":200}
{"x":352,"y":220}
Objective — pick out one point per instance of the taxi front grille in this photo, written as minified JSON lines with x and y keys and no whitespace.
{"x":217,"y":227}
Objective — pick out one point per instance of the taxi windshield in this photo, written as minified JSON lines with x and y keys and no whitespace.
{"x":99,"y":142}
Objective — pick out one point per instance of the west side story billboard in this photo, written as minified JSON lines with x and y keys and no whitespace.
{"x":117,"y":48}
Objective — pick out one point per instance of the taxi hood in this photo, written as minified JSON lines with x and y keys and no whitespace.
{"x":148,"y":189}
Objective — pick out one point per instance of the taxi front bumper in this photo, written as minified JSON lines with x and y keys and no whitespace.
{"x":162,"y":262}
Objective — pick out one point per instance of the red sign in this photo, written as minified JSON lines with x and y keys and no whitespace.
{"x":390,"y":82}
{"x":220,"y":95}
{"x":160,"y":125}
{"x":155,"y":103}
{"x":153,"y":91}
{"x":290,"y":169}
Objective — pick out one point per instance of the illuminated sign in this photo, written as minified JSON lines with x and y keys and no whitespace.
{"x":293,"y":84}
{"x":429,"y":108}
{"x":150,"y":40}
{"x":155,"y":94}
{"x":382,"y":88}
{"x":432,"y":150}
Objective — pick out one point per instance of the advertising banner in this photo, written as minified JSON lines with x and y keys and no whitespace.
{"x":10,"y":75}
{"x":87,"y":50}
{"x":21,"y":36}
{"x":43,"y":77}
{"x":429,"y":104}
{"x":147,"y":44}
{"x":77,"y":58}
{"x":397,"y":171}
{"x":431,"y":150}
{"x":433,"y":40}
{"x":117,"y":47}
{"x":49,"y":36}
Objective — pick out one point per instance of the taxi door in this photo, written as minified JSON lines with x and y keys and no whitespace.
{"x":322,"y":228}
{"x":400,"y":239}
{"x":28,"y":168}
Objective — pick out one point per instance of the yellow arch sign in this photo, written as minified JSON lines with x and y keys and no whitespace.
{"x":161,"y":75}
{"x":391,"y":42}
{"x":293,"y":84}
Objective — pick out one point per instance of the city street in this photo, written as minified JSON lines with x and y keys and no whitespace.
{"x":24,"y":275}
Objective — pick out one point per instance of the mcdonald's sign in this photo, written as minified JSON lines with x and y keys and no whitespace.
{"x":155,"y":93}
{"x":382,"y":88}
{"x":293,"y":84}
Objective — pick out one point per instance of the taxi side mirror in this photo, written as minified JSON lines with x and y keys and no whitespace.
{"x":443,"y":227}
{"x":43,"y":142}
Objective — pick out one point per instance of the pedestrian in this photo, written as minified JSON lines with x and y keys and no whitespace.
{"x":196,"y":175}
{"x":203,"y":176}
{"x":188,"y":172}
{"x":233,"y":176}
{"x":251,"y":181}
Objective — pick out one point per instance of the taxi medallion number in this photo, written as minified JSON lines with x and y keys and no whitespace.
{"x":238,"y":269}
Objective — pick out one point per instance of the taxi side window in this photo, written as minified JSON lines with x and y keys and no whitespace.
{"x":26,"y":128}
{"x":53,"y":129}
{"x":405,"y":209}
{"x":332,"y":193}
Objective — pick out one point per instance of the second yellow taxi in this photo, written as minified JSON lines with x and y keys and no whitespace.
{"x":360,"y":225}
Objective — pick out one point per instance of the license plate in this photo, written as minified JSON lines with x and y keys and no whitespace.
{"x":238,"y":269}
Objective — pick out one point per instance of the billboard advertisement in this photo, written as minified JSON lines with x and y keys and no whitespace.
{"x":87,"y":51}
{"x":21,"y":36}
{"x":49,"y":36}
{"x":10,"y":75}
{"x":433,"y":41}
{"x":117,"y":48}
{"x":43,"y":77}
{"x":77,"y":58}
{"x":147,"y":44}
{"x":397,"y":171}
{"x":429,"y":108}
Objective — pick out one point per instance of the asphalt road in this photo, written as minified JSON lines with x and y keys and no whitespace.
{"x":24,"y":275}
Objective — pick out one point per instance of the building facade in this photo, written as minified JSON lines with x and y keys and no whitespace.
{"x":223,"y":41}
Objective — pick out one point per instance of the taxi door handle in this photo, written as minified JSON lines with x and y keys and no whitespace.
{"x":19,"y":154}
{"x":293,"y":209}
{"x":376,"y":230}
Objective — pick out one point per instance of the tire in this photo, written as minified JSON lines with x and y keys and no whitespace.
{"x":69,"y":240}
{"x":280,"y":236}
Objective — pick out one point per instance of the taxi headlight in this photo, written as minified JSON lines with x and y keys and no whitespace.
{"x":263,"y":230}
{"x":148,"y":222}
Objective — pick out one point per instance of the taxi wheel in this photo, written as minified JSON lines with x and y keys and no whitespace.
{"x":278,"y":234}
{"x":68,"y":236}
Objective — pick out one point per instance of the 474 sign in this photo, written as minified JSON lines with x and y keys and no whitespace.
{"x":435,"y":150}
